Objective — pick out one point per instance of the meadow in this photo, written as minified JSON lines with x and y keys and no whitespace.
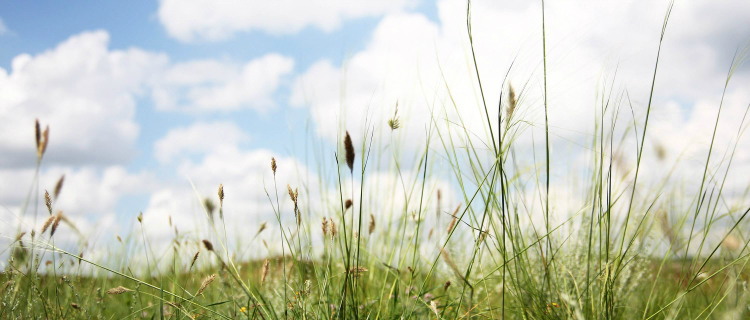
{"x":488,"y":244}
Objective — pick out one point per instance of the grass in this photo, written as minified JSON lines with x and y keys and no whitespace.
{"x":628,"y":251}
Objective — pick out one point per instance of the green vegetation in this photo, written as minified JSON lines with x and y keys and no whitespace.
{"x":620,"y":255}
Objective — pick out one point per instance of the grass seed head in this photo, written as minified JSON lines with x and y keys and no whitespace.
{"x":264,"y":272}
{"x":512,"y":102}
{"x":56,"y":223}
{"x":209,"y":246}
{"x":221,"y":194}
{"x":348,"y":204}
{"x":195,"y":258}
{"x":273,"y":165}
{"x":324,"y":226}
{"x":205,"y":283}
{"x":349,"y":147}
{"x":118,"y":290}
{"x":394,"y":122}
{"x":48,"y":201}
{"x":58,"y":186}
{"x":334,"y":231}
{"x":371,"y":227}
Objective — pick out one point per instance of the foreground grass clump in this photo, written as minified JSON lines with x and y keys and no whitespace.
{"x":348,"y":249}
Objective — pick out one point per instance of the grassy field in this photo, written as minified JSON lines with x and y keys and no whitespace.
{"x":497,"y":250}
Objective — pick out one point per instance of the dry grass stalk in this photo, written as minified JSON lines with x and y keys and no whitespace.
{"x":209,"y":246}
{"x":273,"y":165}
{"x":264,"y":272}
{"x":56,"y":223}
{"x":349,"y":147}
{"x":58,"y":186}
{"x":48,"y":201}
{"x":118,"y":290}
{"x":371,"y":227}
{"x":205,"y":283}
{"x":429,"y":236}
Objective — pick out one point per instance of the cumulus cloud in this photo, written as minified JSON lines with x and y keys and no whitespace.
{"x":210,"y":85}
{"x":199,"y":137}
{"x":88,"y":94}
{"x":84,"y":91}
{"x":210,"y":20}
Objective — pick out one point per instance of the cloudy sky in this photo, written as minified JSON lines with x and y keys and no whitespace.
{"x":140,"y":96}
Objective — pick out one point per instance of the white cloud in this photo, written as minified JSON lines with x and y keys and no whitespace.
{"x":208,"y":85}
{"x":199,"y":137}
{"x":211,"y":20}
{"x":88,"y":95}
{"x":85,"y":92}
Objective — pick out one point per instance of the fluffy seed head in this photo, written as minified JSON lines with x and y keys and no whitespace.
{"x":205,"y":283}
{"x":209,"y":246}
{"x":48,"y":201}
{"x":511,"y":102}
{"x":264,"y":272}
{"x":118,"y":290}
{"x":433,"y":307}
{"x":349,"y":147}
{"x":58,"y":186}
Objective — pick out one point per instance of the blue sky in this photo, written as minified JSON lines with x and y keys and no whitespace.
{"x":140,"y":95}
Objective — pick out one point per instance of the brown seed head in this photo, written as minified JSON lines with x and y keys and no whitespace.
{"x":118,"y":290}
{"x":20,"y":236}
{"x":75,"y":305}
{"x":38,"y":134}
{"x":209,"y":246}
{"x":347,"y":204}
{"x":42,"y":145}
{"x":221,"y":194}
{"x":119,"y":239}
{"x":273,"y":165}
{"x":371,"y":227}
{"x":58,"y":186}
{"x":48,"y":201}
{"x":349,"y":147}
{"x":324,"y":226}
{"x":48,"y":223}
{"x":195,"y":257}
{"x":55,"y":224}
{"x":205,"y":283}
{"x":446,"y":285}
{"x":264,"y":272}
{"x":334,"y":231}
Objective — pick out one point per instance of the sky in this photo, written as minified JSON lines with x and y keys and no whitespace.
{"x":141,"y":96}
